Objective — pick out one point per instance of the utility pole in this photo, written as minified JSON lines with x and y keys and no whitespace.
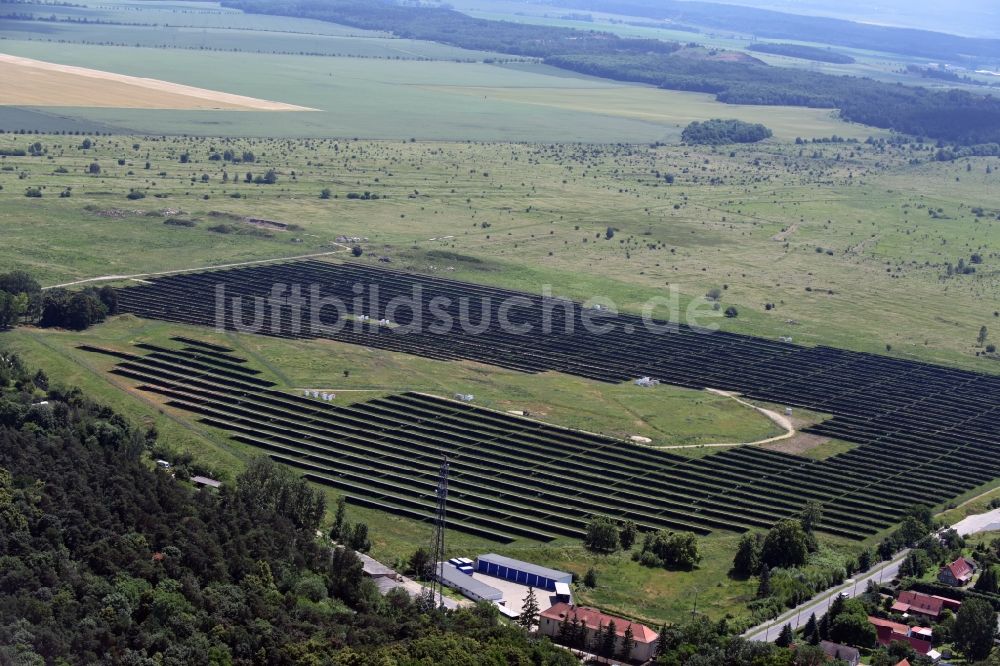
{"x":437,"y":548}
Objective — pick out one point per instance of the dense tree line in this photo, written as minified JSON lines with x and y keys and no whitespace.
{"x":22,"y":300}
{"x":804,"y":52}
{"x":77,"y":310}
{"x":951,"y":115}
{"x":440,"y":24}
{"x":716,"y":132}
{"x":105,"y":559}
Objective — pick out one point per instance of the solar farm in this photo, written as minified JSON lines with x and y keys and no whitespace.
{"x":924,"y":433}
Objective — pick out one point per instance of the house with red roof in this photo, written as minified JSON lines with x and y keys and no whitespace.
{"x":905,"y":662}
{"x":919,"y":603}
{"x":887,"y":631}
{"x":957,"y":573}
{"x":551,"y":621}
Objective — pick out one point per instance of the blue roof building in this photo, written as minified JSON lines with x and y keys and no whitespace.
{"x":524,"y":573}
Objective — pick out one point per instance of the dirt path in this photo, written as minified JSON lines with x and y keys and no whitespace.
{"x":138,"y":276}
{"x":780,"y":420}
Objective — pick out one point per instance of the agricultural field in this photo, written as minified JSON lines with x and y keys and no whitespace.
{"x":362,"y":83}
{"x":404,"y":99}
{"x":30,"y":82}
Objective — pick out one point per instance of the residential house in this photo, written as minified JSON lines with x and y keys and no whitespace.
{"x":918,"y":603}
{"x":592,"y":621}
{"x":887,"y":631}
{"x":837,"y":651}
{"x":957,"y":573}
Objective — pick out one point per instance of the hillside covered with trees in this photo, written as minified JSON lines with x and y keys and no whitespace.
{"x":770,"y":24}
{"x":106,"y":559}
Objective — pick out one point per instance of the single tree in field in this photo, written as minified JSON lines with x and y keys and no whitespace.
{"x":529,"y":611}
{"x":627,"y":534}
{"x":590,"y":578}
{"x":746,"y":562}
{"x":981,"y":338}
{"x":786,"y":545}
{"x":602,"y":535}
{"x":975,"y":629}
{"x":785,"y":637}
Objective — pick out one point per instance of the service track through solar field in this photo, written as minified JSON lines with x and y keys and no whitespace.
{"x":925,"y":433}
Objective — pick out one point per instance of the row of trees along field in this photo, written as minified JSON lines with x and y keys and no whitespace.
{"x":23,"y":301}
{"x":951,"y":116}
{"x":108,"y":559}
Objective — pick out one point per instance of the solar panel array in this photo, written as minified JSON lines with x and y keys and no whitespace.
{"x":927,"y":432}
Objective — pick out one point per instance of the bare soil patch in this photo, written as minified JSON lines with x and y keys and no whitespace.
{"x":28,"y":82}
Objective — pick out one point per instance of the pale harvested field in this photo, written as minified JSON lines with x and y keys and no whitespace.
{"x":28,"y":82}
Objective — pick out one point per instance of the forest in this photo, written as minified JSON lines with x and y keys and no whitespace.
{"x":949,"y":116}
{"x":105,"y":558}
{"x":438,"y":24}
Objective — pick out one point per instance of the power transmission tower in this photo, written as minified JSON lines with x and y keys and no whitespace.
{"x":439,"y":523}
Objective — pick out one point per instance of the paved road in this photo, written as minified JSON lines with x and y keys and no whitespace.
{"x":797,"y":617}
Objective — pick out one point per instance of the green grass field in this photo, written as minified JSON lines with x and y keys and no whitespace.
{"x":854,"y":259}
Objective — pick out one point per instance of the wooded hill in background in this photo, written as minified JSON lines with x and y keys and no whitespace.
{"x":949,"y":116}
{"x":769,"y":24}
